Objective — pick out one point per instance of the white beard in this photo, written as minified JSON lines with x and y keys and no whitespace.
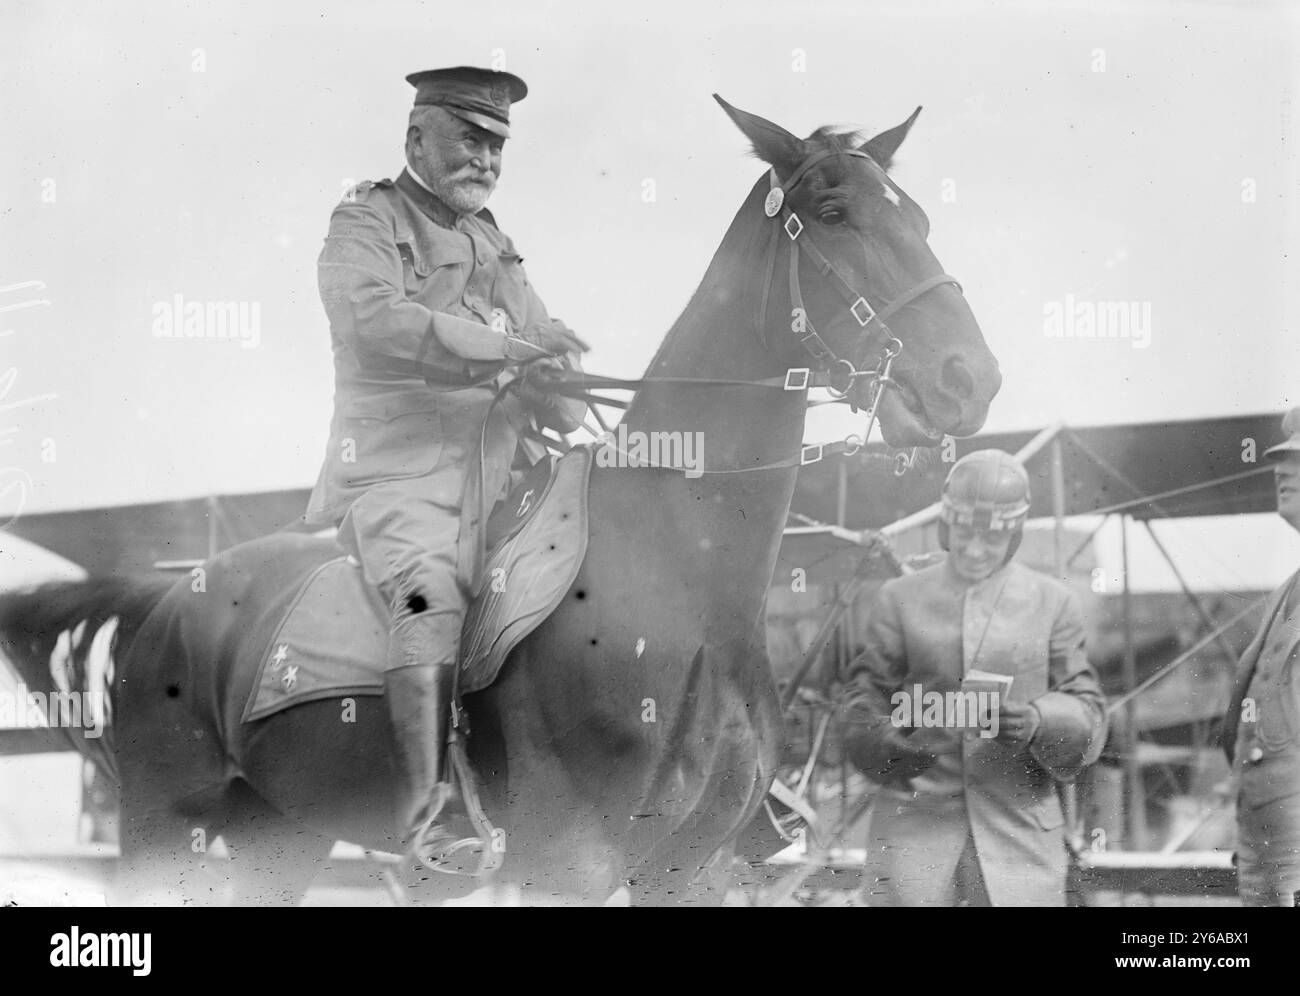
{"x":463,"y":198}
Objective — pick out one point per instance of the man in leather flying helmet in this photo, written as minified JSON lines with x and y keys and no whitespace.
{"x":966,"y":815}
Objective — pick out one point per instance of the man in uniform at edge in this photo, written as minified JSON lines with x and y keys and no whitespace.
{"x":1262,"y":724}
{"x":430,"y":312}
{"x":964,"y":819}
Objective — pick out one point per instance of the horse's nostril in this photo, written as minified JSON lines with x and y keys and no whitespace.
{"x":957,"y":379}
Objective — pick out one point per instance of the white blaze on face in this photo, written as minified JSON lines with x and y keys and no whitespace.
{"x":890,"y":193}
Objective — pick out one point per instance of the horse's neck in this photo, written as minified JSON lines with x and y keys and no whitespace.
{"x":740,"y":515}
{"x":740,"y":426}
{"x":717,"y":338}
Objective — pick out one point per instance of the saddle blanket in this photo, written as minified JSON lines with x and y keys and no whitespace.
{"x":333,"y":638}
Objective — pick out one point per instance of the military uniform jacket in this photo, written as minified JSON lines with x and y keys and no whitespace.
{"x":1264,"y":743}
{"x":405,"y":405}
{"x":929,"y":628}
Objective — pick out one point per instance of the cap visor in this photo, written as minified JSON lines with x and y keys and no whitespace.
{"x":482,"y":120}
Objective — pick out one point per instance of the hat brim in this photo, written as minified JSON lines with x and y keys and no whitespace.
{"x":518,"y":88}
{"x":1282,"y":449}
{"x":482,"y":120}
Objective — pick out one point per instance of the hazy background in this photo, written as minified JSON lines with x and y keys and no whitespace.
{"x":1104,"y":150}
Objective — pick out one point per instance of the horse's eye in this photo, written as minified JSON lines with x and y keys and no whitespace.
{"x":831,"y":216}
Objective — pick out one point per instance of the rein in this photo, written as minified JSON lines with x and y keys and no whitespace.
{"x":834,"y":373}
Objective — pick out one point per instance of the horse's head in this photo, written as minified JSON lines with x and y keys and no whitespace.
{"x":861,"y":259}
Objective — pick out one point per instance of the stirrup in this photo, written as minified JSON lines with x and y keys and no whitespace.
{"x":442,"y":851}
{"x":439,"y":850}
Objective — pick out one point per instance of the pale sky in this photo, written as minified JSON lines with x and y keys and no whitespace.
{"x":1135,"y":152}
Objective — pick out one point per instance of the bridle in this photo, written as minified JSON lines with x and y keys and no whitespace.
{"x":834,"y":373}
{"x":841,"y":373}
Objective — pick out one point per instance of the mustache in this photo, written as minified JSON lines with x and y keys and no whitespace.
{"x":470,"y":174}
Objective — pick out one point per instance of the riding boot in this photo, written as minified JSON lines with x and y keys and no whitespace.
{"x":418,"y":683}
{"x":418,"y":704}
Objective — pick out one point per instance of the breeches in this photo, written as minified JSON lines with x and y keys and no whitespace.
{"x":1268,"y":852}
{"x":406,"y":544}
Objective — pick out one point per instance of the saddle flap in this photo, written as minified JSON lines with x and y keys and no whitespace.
{"x":518,"y":507}
{"x":332,"y":638}
{"x":528,"y":573}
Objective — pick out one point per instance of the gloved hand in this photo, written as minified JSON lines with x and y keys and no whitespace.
{"x":539,"y":381}
{"x":544,"y":374}
{"x":1017,"y":722}
{"x":886,"y":754}
{"x":555,"y":339}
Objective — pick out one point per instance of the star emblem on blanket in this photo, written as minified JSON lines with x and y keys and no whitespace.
{"x":289,"y":679}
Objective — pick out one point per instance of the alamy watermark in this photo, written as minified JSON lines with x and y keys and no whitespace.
{"x":181,"y":319}
{"x":23,"y":709}
{"x":962,"y":709}
{"x":626,"y":447}
{"x":1075,"y":318}
{"x":93,"y":949}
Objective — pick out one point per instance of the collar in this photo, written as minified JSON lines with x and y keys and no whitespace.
{"x":426,"y":200}
{"x":977,"y":588}
{"x":416,"y":177}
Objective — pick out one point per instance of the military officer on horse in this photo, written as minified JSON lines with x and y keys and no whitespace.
{"x":431,"y":316}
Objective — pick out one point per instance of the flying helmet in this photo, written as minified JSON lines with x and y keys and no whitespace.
{"x":987,"y":490}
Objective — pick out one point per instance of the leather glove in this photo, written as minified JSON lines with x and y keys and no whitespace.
{"x":539,"y":381}
{"x":887,"y":754}
{"x":544,"y":374}
{"x":538,"y":341}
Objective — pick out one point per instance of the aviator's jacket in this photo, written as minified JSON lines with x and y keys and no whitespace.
{"x":929,"y":629}
{"x":413,"y":293}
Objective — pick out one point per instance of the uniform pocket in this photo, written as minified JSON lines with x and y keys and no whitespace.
{"x":1279,"y":710}
{"x":413,"y":260}
{"x":393,"y":436}
{"x":510,"y":289}
{"x":433,"y":271}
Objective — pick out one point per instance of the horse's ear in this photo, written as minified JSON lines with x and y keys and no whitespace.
{"x":883,"y":146}
{"x":772,"y":143}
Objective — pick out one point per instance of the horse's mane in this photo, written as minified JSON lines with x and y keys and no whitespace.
{"x":837,"y":141}
{"x":741,"y":244}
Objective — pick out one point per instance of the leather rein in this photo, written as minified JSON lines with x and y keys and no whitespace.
{"x":834,"y":373}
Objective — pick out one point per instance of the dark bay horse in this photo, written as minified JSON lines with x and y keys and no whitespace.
{"x":629,"y":739}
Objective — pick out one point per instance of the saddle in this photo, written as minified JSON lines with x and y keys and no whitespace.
{"x":332,"y":639}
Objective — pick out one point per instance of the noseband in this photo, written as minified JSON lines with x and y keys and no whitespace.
{"x":835,"y":374}
{"x":841,"y":372}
